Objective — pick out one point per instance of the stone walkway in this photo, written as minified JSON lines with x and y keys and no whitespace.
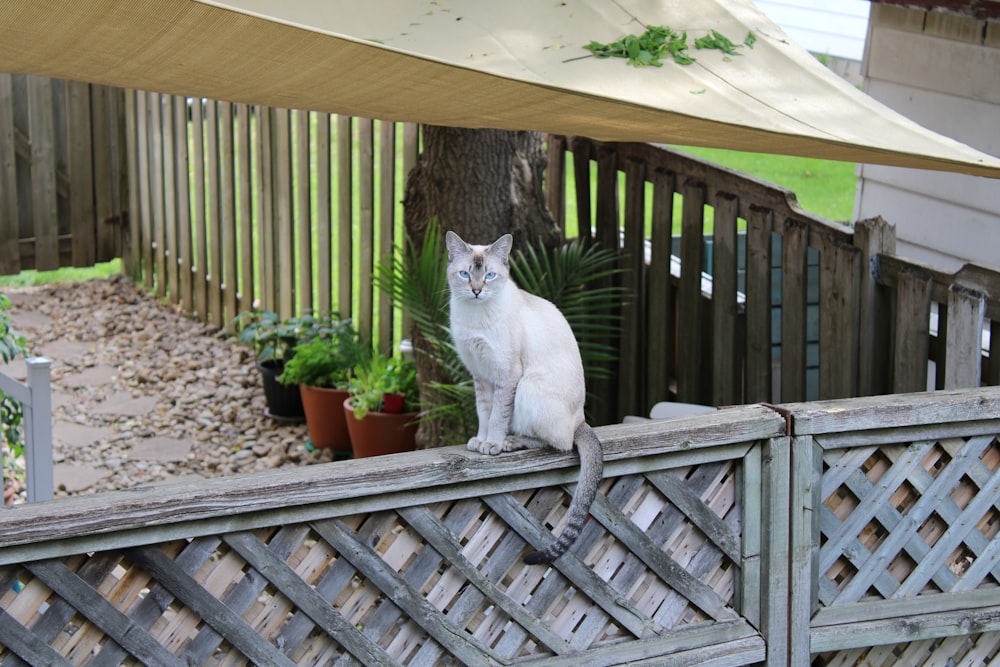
{"x":143,"y":395}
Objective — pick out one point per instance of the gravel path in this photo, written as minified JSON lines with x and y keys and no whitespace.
{"x":143,"y":395}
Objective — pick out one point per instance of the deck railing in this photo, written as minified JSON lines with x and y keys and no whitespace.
{"x":834,"y":532}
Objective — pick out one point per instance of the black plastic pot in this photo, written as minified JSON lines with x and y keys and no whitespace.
{"x":284,"y":402}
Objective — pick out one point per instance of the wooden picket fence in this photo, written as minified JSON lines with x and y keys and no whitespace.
{"x":245,"y":206}
{"x":823,"y":309}
{"x":291,"y":211}
{"x":849,"y":532}
{"x":63,"y":186}
{"x":223,"y":207}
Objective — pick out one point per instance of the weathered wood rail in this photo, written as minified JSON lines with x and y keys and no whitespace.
{"x":836,"y":532}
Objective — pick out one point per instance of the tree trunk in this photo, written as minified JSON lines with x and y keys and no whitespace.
{"x":480,"y":184}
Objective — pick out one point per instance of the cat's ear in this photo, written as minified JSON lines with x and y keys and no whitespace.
{"x":455,"y":245}
{"x":501,"y":247}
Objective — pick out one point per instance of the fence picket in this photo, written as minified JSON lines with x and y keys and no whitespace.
{"x":364,"y":318}
{"x":690,"y":376}
{"x":45,"y":218}
{"x":183,"y":184}
{"x":199,"y":266}
{"x":726,"y":363}
{"x":171,"y":202}
{"x":157,"y":195}
{"x":631,"y":395}
{"x":839,"y":313}
{"x":323,"y":224}
{"x":795,"y":241}
{"x":228,"y":251}
{"x":758,"y":306}
{"x":345,"y":216}
{"x":913,"y":314}
{"x":81,"y":173}
{"x":10,"y":254}
{"x":963,"y":340}
{"x":660,"y":306}
{"x":303,"y":210}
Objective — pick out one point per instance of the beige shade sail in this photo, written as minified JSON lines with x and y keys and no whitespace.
{"x":512,"y":64}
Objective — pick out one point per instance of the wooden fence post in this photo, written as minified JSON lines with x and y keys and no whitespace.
{"x":963,"y":342}
{"x":873,"y":237}
{"x":776,"y":485}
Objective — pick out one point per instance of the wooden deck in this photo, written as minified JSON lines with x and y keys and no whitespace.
{"x":824,"y":533}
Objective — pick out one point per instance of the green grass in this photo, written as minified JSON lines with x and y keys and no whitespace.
{"x":823,"y":187}
{"x":64,"y":275}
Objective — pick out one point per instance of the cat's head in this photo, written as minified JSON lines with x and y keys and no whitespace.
{"x":477,"y":272}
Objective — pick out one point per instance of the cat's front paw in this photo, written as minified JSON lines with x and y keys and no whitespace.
{"x":492,"y":448}
{"x":474,"y":445}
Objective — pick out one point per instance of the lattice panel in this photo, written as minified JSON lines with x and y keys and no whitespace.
{"x":966,"y":650}
{"x":898,"y":521}
{"x":439,"y":584}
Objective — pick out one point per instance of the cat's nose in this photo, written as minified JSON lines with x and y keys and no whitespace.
{"x":476,"y":291}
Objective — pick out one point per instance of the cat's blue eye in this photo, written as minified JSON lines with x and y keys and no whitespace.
{"x":464,"y":275}
{"x":490,"y":276}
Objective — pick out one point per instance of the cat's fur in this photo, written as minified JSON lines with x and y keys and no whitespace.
{"x":527,"y":371}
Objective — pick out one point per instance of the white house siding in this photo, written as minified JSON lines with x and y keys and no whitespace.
{"x":944,"y":72}
{"x":832,"y":28}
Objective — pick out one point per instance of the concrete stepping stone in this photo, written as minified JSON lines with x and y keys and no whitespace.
{"x":76,"y":477}
{"x":160,"y":449}
{"x":90,"y":377}
{"x":65,"y":350}
{"x":29,"y":320}
{"x":79,"y":435}
{"x":123,"y":405}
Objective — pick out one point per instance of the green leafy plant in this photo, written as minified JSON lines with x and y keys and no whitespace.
{"x":274,"y":339}
{"x":326,"y":360}
{"x":12,"y":344}
{"x":382,"y":375}
{"x":659,"y":42}
{"x":417,"y":281}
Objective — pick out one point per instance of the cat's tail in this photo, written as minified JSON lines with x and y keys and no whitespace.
{"x":591,"y":471}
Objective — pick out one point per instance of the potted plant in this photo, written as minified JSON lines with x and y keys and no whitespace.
{"x":273,"y":341}
{"x":375,"y":429}
{"x":321,"y":368}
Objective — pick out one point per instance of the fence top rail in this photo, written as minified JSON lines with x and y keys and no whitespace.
{"x":981,"y":279}
{"x":274,"y":497}
{"x":753,"y":194}
{"x":894,"y":411}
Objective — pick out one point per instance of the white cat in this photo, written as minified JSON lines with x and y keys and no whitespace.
{"x":527,"y":371}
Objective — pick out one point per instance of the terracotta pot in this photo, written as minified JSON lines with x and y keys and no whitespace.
{"x":325,"y":418}
{"x":381,"y":433}
{"x":284,"y":402}
{"x":393,"y":403}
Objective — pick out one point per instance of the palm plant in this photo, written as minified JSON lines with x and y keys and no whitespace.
{"x":577,"y":277}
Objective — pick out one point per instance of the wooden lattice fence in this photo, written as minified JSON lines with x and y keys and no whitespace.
{"x":858,"y":531}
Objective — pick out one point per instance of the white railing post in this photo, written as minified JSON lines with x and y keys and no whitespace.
{"x":38,"y":431}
